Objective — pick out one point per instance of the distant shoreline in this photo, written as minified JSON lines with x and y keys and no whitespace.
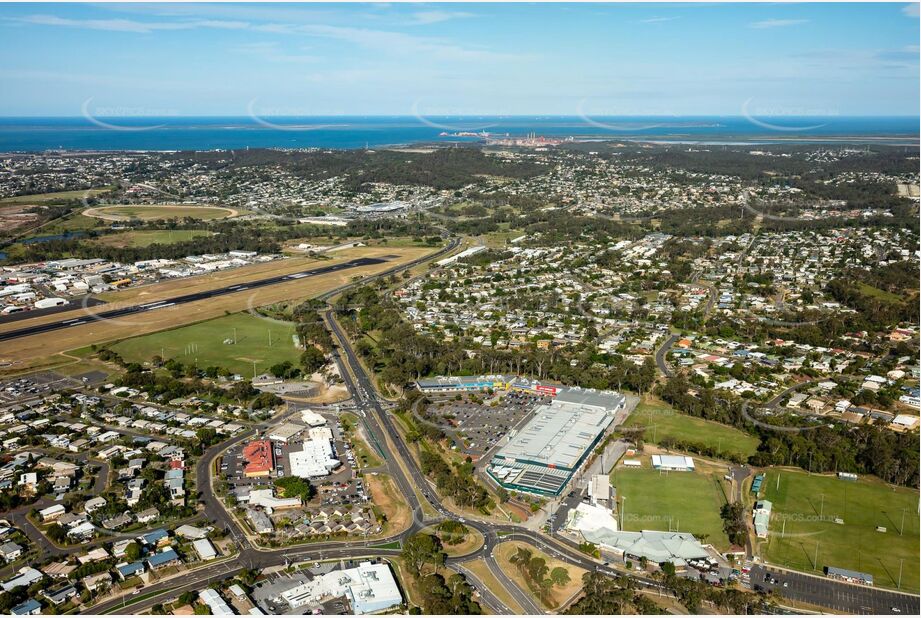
{"x":202,"y":134}
{"x":889,"y":141}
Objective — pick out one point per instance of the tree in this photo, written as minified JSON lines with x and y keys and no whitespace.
{"x":187,"y":598}
{"x":537,"y":569}
{"x":133,"y":551}
{"x":559,"y":576}
{"x":608,"y":596}
{"x":734,"y":525}
{"x":312,"y":360}
{"x":57,"y":533}
{"x":421,"y":550}
{"x":453,"y":596}
{"x":522,"y":557}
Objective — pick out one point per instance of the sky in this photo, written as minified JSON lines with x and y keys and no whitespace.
{"x":772,"y":59}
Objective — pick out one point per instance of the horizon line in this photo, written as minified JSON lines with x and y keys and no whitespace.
{"x":411,"y":116}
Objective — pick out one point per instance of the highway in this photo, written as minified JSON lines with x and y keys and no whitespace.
{"x":186,"y":298}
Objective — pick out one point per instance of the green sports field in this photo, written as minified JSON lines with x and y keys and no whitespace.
{"x":203,"y":344}
{"x":810,"y":503}
{"x":683,"y":501}
{"x":661,"y":421}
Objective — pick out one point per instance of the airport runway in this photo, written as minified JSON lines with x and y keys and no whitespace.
{"x":187,"y":298}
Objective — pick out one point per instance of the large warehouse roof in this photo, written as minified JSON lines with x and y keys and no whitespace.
{"x":590,"y":397}
{"x":558,"y":435}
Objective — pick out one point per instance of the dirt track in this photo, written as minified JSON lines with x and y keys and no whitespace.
{"x":97,"y":213}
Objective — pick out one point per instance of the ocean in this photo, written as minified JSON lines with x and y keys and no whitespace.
{"x":187,"y":133}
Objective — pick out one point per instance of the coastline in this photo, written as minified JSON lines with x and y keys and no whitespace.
{"x":185,"y":134}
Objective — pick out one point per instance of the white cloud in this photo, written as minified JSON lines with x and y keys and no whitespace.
{"x":423,"y":18}
{"x":113,"y":25}
{"x":912,"y":10}
{"x":777,"y":23}
{"x":403,"y":44}
{"x":384,"y":41}
{"x":657,"y":20}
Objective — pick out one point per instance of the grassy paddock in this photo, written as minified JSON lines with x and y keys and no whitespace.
{"x":661,"y":421}
{"x":41,"y":198}
{"x":803,"y":519}
{"x":253,"y":344}
{"x":683,"y":501}
{"x":144,"y":238}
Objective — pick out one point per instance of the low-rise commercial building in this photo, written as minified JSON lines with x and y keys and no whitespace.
{"x":673,"y":463}
{"x":543,"y":456}
{"x":260,"y":460}
{"x":369,"y":588}
{"x":761,"y":515}
{"x":316,"y":459}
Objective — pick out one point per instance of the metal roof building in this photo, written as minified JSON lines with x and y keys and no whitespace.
{"x":677,"y":463}
{"x":544,"y":454}
{"x":215,"y":602}
{"x":676,"y":547}
{"x":849,"y":575}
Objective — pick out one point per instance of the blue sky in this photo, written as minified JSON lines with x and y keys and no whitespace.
{"x":459,"y":59}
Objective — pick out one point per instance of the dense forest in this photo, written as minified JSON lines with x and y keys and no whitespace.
{"x":442,"y":168}
{"x":739,"y":161}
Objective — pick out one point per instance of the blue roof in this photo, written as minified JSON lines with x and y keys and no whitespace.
{"x":130,"y":569}
{"x":24,"y":609}
{"x":165,"y":556}
{"x":155,"y":535}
